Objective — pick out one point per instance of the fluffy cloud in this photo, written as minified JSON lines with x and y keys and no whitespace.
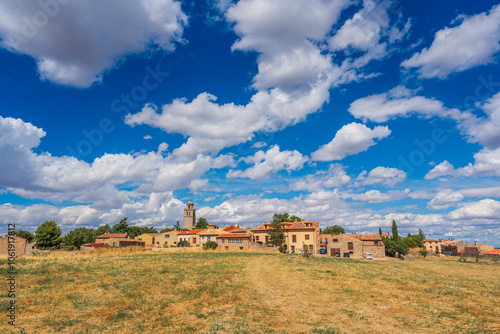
{"x":334,"y":177}
{"x":485,"y":130}
{"x":471,"y":43}
{"x":270,"y":26}
{"x":351,"y":139}
{"x":383,"y":175}
{"x":487,"y":163}
{"x":267,"y":163}
{"x":399,"y":102}
{"x":443,"y":169}
{"x":74,"y":44}
{"x":375,"y":196}
{"x":52,"y":178}
{"x":444,"y":199}
{"x":483,"y":209}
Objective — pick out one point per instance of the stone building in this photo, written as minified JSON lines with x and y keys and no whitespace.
{"x":432,"y":245}
{"x":190,"y":236}
{"x":167,"y":239}
{"x":477,"y":250}
{"x":112,"y":239}
{"x":18,"y":242}
{"x":297,"y":234}
{"x":189,"y":221}
{"x":234,"y":241}
{"x":455,"y":247}
{"x":355,"y":245}
{"x":492,"y":254}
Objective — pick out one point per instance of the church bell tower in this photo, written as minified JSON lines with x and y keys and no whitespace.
{"x":189,"y":216}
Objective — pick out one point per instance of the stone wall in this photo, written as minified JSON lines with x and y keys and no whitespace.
{"x":20,"y":245}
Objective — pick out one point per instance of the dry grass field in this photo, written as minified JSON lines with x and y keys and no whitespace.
{"x":215,"y":292}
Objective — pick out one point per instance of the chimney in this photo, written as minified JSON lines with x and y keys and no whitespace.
{"x":475,"y":243}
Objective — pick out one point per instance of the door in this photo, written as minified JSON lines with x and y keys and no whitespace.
{"x":333,"y":250}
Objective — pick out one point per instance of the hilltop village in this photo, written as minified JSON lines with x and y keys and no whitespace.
{"x":297,"y":236}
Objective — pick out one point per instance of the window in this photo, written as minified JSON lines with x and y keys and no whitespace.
{"x":294,"y":238}
{"x":194,"y":240}
{"x":350,"y":246}
{"x":208,"y":238}
{"x":307,"y":236}
{"x":257,"y":238}
{"x":310,"y":247}
{"x":335,"y":240}
{"x":241,"y":247}
{"x":267,"y":238}
{"x":239,"y":240}
{"x":167,"y":236}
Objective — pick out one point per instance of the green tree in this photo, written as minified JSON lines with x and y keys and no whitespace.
{"x":335,"y":229}
{"x":102,"y":229}
{"x":201,"y":223}
{"x":121,"y":227}
{"x":134,"y":231}
{"x":177,"y":226}
{"x":395,"y":234}
{"x":183,"y":243}
{"x":26,"y":235}
{"x":306,"y":253}
{"x":48,"y":235}
{"x":380,"y":231}
{"x":421,"y":233}
{"x":80,"y":236}
{"x":395,"y":243}
{"x":424,"y":252}
{"x":166,"y":229}
{"x":295,"y":218}
{"x":276,"y":233}
{"x":210,"y":245}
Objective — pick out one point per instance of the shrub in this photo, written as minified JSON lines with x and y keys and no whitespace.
{"x":424,"y":252}
{"x":210,"y":245}
{"x":183,"y":243}
{"x":282,"y":249}
{"x":306,"y":253}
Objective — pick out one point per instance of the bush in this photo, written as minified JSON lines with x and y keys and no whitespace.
{"x":183,"y":243}
{"x":210,"y":245}
{"x":424,"y":252}
{"x":282,"y":249}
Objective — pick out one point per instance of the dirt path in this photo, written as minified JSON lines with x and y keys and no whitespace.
{"x":286,"y":293}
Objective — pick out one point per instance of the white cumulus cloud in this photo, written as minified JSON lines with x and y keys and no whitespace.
{"x":471,"y":43}
{"x":75,"y":42}
{"x":351,"y":139}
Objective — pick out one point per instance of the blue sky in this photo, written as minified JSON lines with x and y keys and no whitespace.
{"x":346,"y":112}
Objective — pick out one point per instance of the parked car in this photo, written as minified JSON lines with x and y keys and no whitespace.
{"x":336,"y":254}
{"x":322,"y":251}
{"x":368,"y":256}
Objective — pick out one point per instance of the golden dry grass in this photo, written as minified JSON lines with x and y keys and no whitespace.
{"x":134,"y":291}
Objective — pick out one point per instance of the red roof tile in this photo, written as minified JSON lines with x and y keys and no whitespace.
{"x":95,"y":245}
{"x":234,"y":235}
{"x":230,"y":228}
{"x":493,"y":252}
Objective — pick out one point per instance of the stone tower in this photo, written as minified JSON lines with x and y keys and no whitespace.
{"x":189,"y":216}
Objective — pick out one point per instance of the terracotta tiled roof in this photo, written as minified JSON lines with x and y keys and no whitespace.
{"x":289,"y":225}
{"x":366,"y":237}
{"x":493,"y":252}
{"x":241,"y":230}
{"x":230,"y":228}
{"x":112,"y":235}
{"x":430,"y":240}
{"x":95,"y":245}
{"x":234,"y":235}
{"x":196,"y":231}
{"x":215,"y":231}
